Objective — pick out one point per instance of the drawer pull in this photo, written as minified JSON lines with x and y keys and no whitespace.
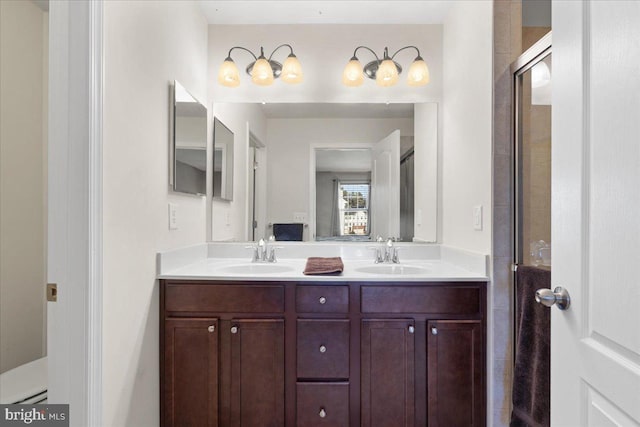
{"x":323,"y":349}
{"x":322,"y":300}
{"x":434,"y":330}
{"x":412,"y":329}
{"x":234,"y":329}
{"x":211,"y":328}
{"x":322,"y":413}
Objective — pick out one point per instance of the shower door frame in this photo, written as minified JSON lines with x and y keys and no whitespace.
{"x":532,"y":56}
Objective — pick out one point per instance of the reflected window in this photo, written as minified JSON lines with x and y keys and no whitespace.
{"x":353,"y":199}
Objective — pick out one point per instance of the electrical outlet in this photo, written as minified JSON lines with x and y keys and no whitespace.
{"x":477,"y":217}
{"x":300,"y":217}
{"x":173,"y":216}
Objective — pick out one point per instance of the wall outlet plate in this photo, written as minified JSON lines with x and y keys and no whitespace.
{"x":300,"y":217}
{"x":477,"y":217}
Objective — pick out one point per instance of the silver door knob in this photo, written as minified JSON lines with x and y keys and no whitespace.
{"x":411,"y":329}
{"x":323,"y":349}
{"x":558,"y":296}
{"x":322,"y":413}
{"x":322,"y":300}
{"x":434,"y":330}
{"x":211,"y":328}
{"x":234,"y":329}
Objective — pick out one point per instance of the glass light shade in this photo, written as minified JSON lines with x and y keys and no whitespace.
{"x":387,"y":74}
{"x":229,"y":75}
{"x":291,"y":70}
{"x":262,"y":74}
{"x":418,"y":74}
{"x":353,"y":74}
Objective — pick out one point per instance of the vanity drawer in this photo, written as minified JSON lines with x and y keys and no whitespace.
{"x":185,"y":297}
{"x":322,"y":299}
{"x":449,"y":299}
{"x":322,"y":404}
{"x":323,"y":349}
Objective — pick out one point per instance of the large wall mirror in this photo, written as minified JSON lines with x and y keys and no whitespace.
{"x":222,"y":161}
{"x":347,"y":171}
{"x":189,"y":143}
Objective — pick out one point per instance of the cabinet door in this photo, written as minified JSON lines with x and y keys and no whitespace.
{"x":387,"y":373}
{"x":455,"y":382}
{"x":190,"y":385}
{"x":257,"y":373}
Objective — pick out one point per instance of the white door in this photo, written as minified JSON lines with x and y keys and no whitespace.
{"x":595,"y":344}
{"x":385,"y":187}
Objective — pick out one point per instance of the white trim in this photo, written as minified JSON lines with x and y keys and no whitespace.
{"x":94,"y":314}
{"x":75,"y":208}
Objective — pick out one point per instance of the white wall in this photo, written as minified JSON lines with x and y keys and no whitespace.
{"x":23,"y":187}
{"x":467,"y":123}
{"x":289,"y":144}
{"x":229,"y":219}
{"x":323,"y":51}
{"x":147,"y":45}
{"x":426,"y":145}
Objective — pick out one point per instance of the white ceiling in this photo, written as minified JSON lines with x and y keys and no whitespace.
{"x":337,"y":110}
{"x":325,"y":12}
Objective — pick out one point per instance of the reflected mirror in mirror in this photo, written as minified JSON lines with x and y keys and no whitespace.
{"x":343,"y":187}
{"x":189,"y":143}
{"x":222,"y":161}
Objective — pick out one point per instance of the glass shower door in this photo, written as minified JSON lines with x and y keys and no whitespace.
{"x":533,"y":162}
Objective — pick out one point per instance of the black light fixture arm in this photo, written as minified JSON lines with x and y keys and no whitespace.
{"x":282,"y":45}
{"x":403,"y":48}
{"x":241,"y":48}
{"x":364,"y":47}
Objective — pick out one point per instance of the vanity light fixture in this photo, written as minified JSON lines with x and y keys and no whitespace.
{"x":263,"y":71}
{"x":385,"y":71}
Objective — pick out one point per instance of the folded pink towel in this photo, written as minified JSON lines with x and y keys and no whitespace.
{"x":319,"y":265}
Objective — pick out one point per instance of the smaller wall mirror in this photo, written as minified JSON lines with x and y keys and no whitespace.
{"x":222,"y":161}
{"x":189,"y":143}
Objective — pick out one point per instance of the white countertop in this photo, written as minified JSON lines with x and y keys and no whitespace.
{"x":231,"y":261}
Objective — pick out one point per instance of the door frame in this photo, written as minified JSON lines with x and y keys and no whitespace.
{"x":311,"y":220}
{"x":75,"y":240}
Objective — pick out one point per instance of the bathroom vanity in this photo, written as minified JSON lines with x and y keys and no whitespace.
{"x":388,"y":349}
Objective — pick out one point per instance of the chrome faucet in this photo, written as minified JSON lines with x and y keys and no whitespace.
{"x":261,"y":252}
{"x":386,"y":253}
{"x":391,"y":252}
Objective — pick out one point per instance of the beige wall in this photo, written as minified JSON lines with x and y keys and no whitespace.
{"x":530,"y":35}
{"x":23,"y":158}
{"x":147,"y":45}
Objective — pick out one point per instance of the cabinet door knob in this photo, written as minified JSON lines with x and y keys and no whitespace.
{"x":322,"y":300}
{"x":434,"y":330}
{"x":323,"y":349}
{"x":322,"y":413}
{"x":211,"y":328}
{"x":234,"y":329}
{"x":412,"y":329}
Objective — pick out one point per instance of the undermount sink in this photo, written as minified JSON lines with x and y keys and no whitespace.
{"x":251,"y":268}
{"x":398,"y":269}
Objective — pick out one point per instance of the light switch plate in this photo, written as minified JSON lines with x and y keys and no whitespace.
{"x":477,"y":217}
{"x":173,"y":216}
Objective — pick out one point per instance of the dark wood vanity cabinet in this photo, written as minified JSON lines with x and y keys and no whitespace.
{"x":387,"y":373}
{"x":331,"y":354}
